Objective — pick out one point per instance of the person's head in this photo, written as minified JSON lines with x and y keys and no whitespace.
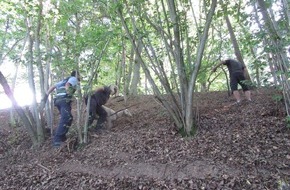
{"x":223,"y":61}
{"x":114,"y":89}
{"x":75,"y":74}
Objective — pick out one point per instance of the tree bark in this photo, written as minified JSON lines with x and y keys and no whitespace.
{"x":40,"y":133}
{"x":19,"y":110}
{"x":236,"y":47}
{"x":199,"y":54}
{"x":35,"y":120}
{"x":93,"y":74}
{"x":178,"y":56}
{"x":136,"y":70}
{"x":282,"y":62}
{"x":265,"y":42}
{"x":157,"y":92}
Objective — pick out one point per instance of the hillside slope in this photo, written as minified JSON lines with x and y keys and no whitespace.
{"x":236,"y":147}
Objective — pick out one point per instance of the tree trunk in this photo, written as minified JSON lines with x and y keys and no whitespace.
{"x":19,"y":110}
{"x":236,"y":47}
{"x":178,"y":57}
{"x":199,"y":54}
{"x":265,"y":42}
{"x":93,"y":74}
{"x":282,"y":62}
{"x":35,"y":121}
{"x":256,"y":68}
{"x":40,"y":133}
{"x":126,"y":79}
{"x":147,"y":72}
{"x":128,"y":75}
{"x":47,"y":76}
{"x":78,"y":92}
{"x":12,"y":111}
{"x":286,"y":10}
{"x":136,"y":70}
{"x":180,"y":111}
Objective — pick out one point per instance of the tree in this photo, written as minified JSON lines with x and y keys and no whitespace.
{"x":278,"y":53}
{"x":167,"y":47}
{"x":26,"y":121}
{"x":183,"y":114}
{"x":30,"y":62}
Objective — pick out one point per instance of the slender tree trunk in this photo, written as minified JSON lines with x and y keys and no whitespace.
{"x":265,"y":42}
{"x":123,"y":73}
{"x":12,"y":111}
{"x":19,"y":110}
{"x":256,"y":69}
{"x":85,"y":139}
{"x":236,"y":46}
{"x":47,"y":76}
{"x":286,"y":10}
{"x":136,"y":70}
{"x":40,"y":132}
{"x":181,"y":111}
{"x":35,"y":121}
{"x":178,"y":56}
{"x":78,"y":92}
{"x":128,"y":76}
{"x":147,"y":72}
{"x":199,"y":54}
{"x":282,"y":62}
{"x":93,"y":74}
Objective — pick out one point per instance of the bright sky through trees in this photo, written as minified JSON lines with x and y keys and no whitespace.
{"x":22,"y":92}
{"x":50,"y":12}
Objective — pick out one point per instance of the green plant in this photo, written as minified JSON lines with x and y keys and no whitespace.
{"x":183,"y":133}
{"x":288,"y":122}
{"x":277,"y":97}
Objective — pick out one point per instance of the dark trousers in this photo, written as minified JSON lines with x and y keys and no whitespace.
{"x":238,"y":78}
{"x":95,"y":110}
{"x":66,"y":118}
{"x":102,"y":117}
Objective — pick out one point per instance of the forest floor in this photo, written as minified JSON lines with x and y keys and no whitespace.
{"x":236,"y":147}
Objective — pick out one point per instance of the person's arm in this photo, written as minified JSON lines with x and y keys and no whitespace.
{"x":70,"y":85}
{"x":218,"y":65}
{"x":67,"y":87}
{"x":45,"y":97}
{"x":50,"y":90}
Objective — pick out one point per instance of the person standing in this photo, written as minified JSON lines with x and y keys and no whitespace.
{"x":236,"y":71}
{"x":63,"y":99}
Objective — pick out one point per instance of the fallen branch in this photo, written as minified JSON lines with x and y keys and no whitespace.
{"x":44,"y":167}
{"x":122,"y":110}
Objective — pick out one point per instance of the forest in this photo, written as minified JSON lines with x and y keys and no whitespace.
{"x":160,"y":49}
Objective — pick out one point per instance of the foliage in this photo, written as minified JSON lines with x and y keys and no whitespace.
{"x":288,"y":121}
{"x":182,"y":131}
{"x":90,"y":36}
{"x":277,"y":97}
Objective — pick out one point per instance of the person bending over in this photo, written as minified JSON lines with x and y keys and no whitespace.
{"x":236,"y":71}
{"x":99,"y":98}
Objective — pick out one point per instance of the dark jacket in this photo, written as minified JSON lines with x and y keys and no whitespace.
{"x":234,"y":66}
{"x":100,"y":96}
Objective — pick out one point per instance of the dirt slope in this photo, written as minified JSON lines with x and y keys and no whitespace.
{"x":236,"y":147}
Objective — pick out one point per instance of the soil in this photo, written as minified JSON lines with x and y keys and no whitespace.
{"x":242,"y":146}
